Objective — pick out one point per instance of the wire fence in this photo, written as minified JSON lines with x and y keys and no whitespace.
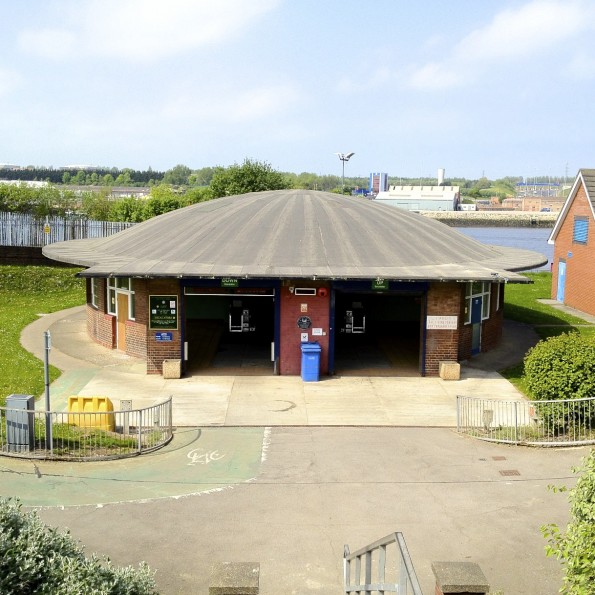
{"x":21,"y":229}
{"x":84,"y":435}
{"x":569,"y":422}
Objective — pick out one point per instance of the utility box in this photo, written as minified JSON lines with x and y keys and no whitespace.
{"x":310,"y":361}
{"x":20,"y":426}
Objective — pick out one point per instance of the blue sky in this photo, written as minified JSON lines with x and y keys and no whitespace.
{"x":494,"y":87}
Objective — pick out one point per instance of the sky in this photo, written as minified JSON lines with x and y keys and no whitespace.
{"x":477,"y":87}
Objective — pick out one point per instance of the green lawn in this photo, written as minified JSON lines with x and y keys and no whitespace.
{"x":521,"y":304}
{"x":25,"y":293}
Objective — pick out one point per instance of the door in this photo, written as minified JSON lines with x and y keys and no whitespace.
{"x":476,"y":308}
{"x":121,"y":318}
{"x":561,"y":281}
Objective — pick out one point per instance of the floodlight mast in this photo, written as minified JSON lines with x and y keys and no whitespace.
{"x":344,"y":157}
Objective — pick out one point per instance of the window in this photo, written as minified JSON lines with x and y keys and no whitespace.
{"x":477,"y":289}
{"x":120,"y":285}
{"x":580,"y":232}
{"x":95,"y":289}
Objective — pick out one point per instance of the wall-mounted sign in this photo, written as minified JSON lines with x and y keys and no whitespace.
{"x":226,"y":282}
{"x":304,"y":322}
{"x":164,"y":337}
{"x":442,"y":322}
{"x":163,"y":312}
{"x":379,"y":284}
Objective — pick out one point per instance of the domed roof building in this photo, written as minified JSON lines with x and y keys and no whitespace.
{"x":243,"y":281}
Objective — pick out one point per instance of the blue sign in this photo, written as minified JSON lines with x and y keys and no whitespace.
{"x":160,"y":337}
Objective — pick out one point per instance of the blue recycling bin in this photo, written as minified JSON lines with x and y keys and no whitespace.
{"x":311,"y":361}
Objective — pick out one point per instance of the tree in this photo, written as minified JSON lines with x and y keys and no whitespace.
{"x":251,"y":176}
{"x":576,"y":546}
{"x":36,"y":559}
{"x":177,"y":176}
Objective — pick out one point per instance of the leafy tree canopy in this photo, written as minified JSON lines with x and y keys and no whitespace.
{"x":250,"y":176}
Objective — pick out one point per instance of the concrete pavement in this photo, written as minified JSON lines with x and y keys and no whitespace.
{"x":243,"y":400}
{"x":291,"y":497}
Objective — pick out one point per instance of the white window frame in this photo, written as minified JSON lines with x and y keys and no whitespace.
{"x":95,"y":291}
{"x":484,"y":291}
{"x":116,"y":285}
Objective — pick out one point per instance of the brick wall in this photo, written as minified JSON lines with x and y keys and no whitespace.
{"x":156,"y":351}
{"x":318,"y":310}
{"x":101,"y":327}
{"x":491,"y":330}
{"x":444,"y":299}
{"x":579,"y":290}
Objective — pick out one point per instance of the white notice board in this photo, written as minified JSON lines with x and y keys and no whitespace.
{"x":442,"y":322}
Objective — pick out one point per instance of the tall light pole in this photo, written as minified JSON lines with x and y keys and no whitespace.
{"x":344,"y":157}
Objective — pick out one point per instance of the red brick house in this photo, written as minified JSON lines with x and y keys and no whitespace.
{"x":243,"y":281}
{"x":573,"y":236}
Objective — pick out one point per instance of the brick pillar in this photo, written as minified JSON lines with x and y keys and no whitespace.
{"x":459,"y":578}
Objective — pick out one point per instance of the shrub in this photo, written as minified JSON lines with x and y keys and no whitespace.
{"x":37,"y":559}
{"x":576,"y":547}
{"x":561,"y":367}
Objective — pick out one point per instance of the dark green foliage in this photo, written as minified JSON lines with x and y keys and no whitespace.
{"x":576,"y":547}
{"x":251,"y":176}
{"x":36,"y":559}
{"x":561,"y":367}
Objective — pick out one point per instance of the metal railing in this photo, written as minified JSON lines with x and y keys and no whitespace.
{"x":376,"y":569}
{"x":85,"y":435}
{"x":569,"y":422}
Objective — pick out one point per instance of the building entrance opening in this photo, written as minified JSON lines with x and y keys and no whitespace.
{"x":377,"y":334}
{"x":229,"y":334}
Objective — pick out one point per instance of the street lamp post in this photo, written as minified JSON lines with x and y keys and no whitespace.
{"x":344,"y":157}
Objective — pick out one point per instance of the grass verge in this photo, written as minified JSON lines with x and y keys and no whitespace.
{"x":521,"y":304}
{"x":25,"y":293}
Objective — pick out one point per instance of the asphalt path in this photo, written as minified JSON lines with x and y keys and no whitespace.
{"x":291,"y":498}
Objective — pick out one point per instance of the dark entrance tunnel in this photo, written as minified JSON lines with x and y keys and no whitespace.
{"x":229,"y":334}
{"x":377,"y":334}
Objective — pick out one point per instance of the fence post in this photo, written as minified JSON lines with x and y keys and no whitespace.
{"x":516,"y":421}
{"x":140,"y":431}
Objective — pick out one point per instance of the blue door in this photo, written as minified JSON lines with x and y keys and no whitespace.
{"x":476,"y":308}
{"x":561,"y":281}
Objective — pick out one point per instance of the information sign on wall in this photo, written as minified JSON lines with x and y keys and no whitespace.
{"x":442,"y":322}
{"x":380,"y":284}
{"x":163,"y":312}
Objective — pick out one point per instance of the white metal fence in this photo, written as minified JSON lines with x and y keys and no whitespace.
{"x":377,"y":569}
{"x":84,"y":435}
{"x":20,"y":229}
{"x":569,"y":422}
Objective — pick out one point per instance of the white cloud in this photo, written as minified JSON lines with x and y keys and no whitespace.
{"x":9,"y":81}
{"x":231,"y":105}
{"x":582,"y":67}
{"x":142,"y":30}
{"x":512,"y":35}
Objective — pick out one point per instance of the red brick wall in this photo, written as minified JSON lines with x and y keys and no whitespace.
{"x":579,"y":291}
{"x":101,"y":327}
{"x":157,"y":351}
{"x":444,"y":299}
{"x":318,"y":310}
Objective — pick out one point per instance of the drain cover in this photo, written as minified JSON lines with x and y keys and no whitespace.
{"x":507,"y":472}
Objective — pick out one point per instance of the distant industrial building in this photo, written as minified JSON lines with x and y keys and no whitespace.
{"x":378,"y":183}
{"x":422,"y":198}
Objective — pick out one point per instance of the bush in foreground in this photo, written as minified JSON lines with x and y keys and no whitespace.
{"x":561,"y":367}
{"x":37,"y":559}
{"x":576,"y":546}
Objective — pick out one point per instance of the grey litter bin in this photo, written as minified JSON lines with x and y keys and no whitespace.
{"x":19,"y":422}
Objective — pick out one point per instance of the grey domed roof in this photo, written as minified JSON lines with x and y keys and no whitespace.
{"x":294,"y":234}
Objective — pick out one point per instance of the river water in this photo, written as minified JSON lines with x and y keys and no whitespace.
{"x":528,"y":238}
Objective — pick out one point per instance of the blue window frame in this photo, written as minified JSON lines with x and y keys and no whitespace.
{"x":580,"y":232}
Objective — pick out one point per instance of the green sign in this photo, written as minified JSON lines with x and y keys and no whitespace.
{"x":163,"y":312}
{"x":225,"y":282}
{"x":380,"y":284}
